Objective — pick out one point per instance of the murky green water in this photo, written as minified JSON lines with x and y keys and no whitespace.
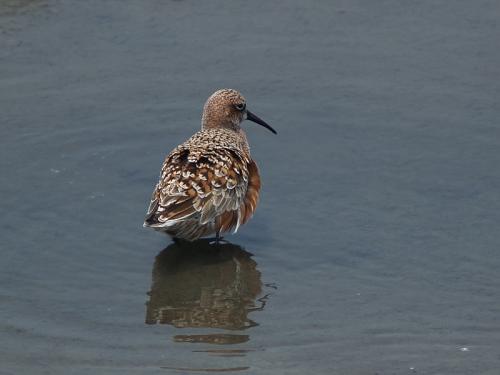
{"x":374,"y":250}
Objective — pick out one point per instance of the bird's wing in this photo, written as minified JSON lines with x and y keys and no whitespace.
{"x":201,"y":184}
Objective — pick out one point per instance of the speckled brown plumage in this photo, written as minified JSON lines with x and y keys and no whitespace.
{"x":208,"y":184}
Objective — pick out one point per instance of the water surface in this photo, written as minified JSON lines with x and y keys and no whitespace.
{"x":374,"y":249}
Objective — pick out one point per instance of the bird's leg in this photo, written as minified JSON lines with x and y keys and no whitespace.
{"x":217,"y":237}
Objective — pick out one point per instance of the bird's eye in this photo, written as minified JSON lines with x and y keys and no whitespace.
{"x":240,"y":106}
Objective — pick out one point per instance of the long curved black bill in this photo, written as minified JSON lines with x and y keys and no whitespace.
{"x":258,"y":120}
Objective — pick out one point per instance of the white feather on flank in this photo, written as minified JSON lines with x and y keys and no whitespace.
{"x":167,"y":223}
{"x":238,"y":222}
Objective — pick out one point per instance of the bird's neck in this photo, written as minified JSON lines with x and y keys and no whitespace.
{"x":210,"y":123}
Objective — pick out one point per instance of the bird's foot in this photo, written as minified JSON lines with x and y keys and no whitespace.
{"x":218,"y":240}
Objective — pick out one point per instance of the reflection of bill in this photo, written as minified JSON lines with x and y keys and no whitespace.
{"x":199,"y":285}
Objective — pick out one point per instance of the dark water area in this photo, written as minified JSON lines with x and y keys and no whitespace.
{"x":375,"y":247}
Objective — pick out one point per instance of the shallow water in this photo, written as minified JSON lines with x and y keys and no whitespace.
{"x":375,"y":245}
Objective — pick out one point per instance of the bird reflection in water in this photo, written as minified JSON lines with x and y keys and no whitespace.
{"x":205,"y":286}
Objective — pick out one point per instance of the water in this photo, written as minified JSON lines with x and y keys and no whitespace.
{"x":375,"y":245}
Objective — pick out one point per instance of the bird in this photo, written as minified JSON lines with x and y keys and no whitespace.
{"x":209,"y":184}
